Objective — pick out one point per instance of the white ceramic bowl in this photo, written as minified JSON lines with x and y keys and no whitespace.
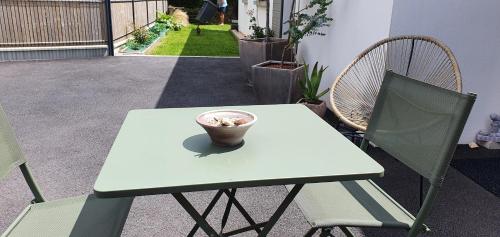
{"x":226,"y":135}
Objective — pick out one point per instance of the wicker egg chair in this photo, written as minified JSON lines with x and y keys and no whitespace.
{"x":422,"y":58}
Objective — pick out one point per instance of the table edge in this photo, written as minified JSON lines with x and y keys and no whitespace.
{"x":238,"y":184}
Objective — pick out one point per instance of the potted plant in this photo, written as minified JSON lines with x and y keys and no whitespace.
{"x":278,"y":81}
{"x":259,"y":46}
{"x":310,"y":86}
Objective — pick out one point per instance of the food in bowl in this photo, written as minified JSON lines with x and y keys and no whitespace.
{"x":227,"y":122}
{"x":226,"y":127}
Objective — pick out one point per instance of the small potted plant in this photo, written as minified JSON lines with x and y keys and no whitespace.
{"x":259,"y":46}
{"x":277,"y":82}
{"x":310,"y":86}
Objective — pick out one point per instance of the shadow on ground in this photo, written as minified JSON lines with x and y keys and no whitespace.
{"x":66,"y":115}
{"x":196,"y":83}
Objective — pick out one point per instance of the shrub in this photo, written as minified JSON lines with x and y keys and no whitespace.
{"x":168,"y":21}
{"x":258,"y":32}
{"x":151,"y":37}
{"x":180,"y":17}
{"x":176,"y":26}
{"x":141,"y":35}
{"x":158,"y":28}
{"x":132,"y":44}
{"x":169,"y":25}
{"x":163,"y":18}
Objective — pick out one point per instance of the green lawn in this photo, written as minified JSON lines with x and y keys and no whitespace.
{"x":214,"y":40}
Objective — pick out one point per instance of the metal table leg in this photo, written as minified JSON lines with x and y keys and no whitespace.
{"x":201,"y":222}
{"x":237,"y":204}
{"x":228,"y":209}
{"x":232,"y":200}
{"x":281,"y":209}
{"x":195,"y":215}
{"x":207,"y":211}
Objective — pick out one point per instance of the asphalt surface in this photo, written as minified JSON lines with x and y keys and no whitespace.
{"x":66,"y":115}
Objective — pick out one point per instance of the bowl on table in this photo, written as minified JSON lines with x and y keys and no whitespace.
{"x":226,"y":127}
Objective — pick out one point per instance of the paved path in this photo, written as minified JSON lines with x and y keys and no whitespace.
{"x":67,"y":113}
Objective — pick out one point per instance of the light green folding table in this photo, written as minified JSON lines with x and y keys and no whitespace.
{"x":164,"y":151}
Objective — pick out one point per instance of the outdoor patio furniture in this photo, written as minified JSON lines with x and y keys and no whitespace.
{"x":206,"y":13}
{"x":419,"y":125}
{"x":78,"y":216}
{"x":423,"y":58}
{"x":164,"y":151}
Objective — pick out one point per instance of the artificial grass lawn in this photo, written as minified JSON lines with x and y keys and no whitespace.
{"x":214,"y":40}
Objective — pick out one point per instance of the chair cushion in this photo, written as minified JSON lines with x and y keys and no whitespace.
{"x":79,"y":216}
{"x":351,"y":203}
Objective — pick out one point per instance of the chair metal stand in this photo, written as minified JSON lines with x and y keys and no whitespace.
{"x":311,"y":232}
{"x":262,"y":229}
{"x":326,"y":232}
{"x":346,"y":231}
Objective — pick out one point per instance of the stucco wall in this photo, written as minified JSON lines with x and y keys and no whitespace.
{"x":357,"y":25}
{"x":471,"y":30}
{"x":259,"y":8}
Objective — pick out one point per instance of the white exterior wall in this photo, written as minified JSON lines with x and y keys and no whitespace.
{"x":471,"y":29}
{"x":259,"y":8}
{"x":357,"y":25}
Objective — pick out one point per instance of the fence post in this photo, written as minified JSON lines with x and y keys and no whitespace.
{"x":109,"y":26}
{"x":147,"y":13}
{"x":133,"y":14}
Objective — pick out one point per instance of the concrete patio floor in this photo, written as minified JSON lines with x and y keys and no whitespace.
{"x":66,"y":115}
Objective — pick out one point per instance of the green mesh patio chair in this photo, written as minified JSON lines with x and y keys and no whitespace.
{"x":418,"y":124}
{"x":78,"y":216}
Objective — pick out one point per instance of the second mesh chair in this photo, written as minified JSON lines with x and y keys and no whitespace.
{"x":76,"y":217}
{"x":417,"y":123}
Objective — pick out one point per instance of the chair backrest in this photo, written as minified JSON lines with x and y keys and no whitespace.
{"x":422,"y":58}
{"x":419,"y":124}
{"x":10,"y":152}
{"x":11,"y":157}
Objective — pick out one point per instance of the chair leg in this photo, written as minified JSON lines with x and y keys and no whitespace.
{"x":311,"y":232}
{"x":326,"y":232}
{"x":346,"y":231}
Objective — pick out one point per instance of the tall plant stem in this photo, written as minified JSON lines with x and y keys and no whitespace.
{"x":267,"y":21}
{"x":287,"y":47}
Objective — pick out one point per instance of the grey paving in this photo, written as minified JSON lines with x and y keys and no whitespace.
{"x":67,"y":113}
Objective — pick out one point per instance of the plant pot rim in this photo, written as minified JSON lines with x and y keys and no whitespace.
{"x":303,"y":101}
{"x":263,"y":64}
{"x":260,"y":40}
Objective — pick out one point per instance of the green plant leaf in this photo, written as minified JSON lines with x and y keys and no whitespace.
{"x":302,"y":82}
{"x":311,"y":82}
{"x":322,"y":93}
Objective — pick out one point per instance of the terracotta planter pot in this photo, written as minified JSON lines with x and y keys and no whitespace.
{"x":319,"y":109}
{"x":254,"y":51}
{"x":277,"y":85}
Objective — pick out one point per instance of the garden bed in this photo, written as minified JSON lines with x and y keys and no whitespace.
{"x":135,"y":48}
{"x":144,"y":38}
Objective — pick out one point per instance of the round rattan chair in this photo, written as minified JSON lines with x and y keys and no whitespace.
{"x":422,"y":58}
